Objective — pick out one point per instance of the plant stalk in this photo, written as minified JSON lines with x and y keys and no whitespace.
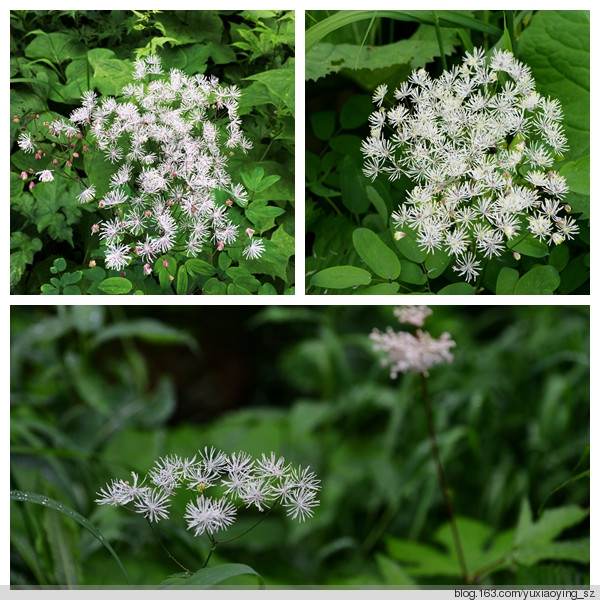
{"x":442,"y":480}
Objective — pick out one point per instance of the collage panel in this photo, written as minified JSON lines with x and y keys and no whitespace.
{"x":333,"y":447}
{"x":448,"y":152}
{"x":152,"y":152}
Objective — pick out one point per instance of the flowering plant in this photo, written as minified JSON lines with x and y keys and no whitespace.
{"x":220,"y":485}
{"x":480,"y":143}
{"x":454,"y":169}
{"x":162,"y":180}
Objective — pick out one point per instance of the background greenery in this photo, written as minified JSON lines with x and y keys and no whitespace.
{"x":99,"y":391}
{"x":57,"y":55}
{"x":348,"y":217}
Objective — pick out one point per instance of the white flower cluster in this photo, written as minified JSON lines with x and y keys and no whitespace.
{"x":417,"y":352}
{"x":262,"y":483}
{"x":479,"y":142}
{"x":165,"y":139}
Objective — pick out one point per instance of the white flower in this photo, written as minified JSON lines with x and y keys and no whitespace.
{"x":254,"y":249}
{"x":24,"y":142}
{"x":117,"y":256}
{"x":209,"y":515}
{"x":300,"y":504}
{"x":153,"y":505}
{"x":87,"y":194}
{"x":413,"y":315}
{"x":45,"y":175}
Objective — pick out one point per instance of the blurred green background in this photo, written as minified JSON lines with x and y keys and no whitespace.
{"x":99,"y":391}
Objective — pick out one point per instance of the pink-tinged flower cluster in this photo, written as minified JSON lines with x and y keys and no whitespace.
{"x":407,"y":352}
{"x":168,"y":138}
{"x":238,"y":479}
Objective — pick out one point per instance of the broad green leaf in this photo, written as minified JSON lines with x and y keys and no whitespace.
{"x":115,"y":285}
{"x":378,"y":202}
{"x":182,"y":280}
{"x":323,"y":123}
{"x":276,"y":259}
{"x":436,"y":263}
{"x":356,"y":111}
{"x":379,"y":289}
{"x":58,"y":47}
{"x":109,"y":73}
{"x":457,"y":289}
{"x":280,"y":84}
{"x":21,"y":496}
{"x":530,"y":246}
{"x":341,"y":277}
{"x":412,"y":273}
{"x":393,"y":573}
{"x":195,"y":266}
{"x":212,"y":576}
{"x":408,"y":246}
{"x":215,"y":287}
{"x":556,"y":46}
{"x":262,"y":215}
{"x":559,"y":257}
{"x":577,"y":174}
{"x":575,"y":274}
{"x":192,"y":26}
{"x":352,"y":185}
{"x":376,"y":254}
{"x":542,"y":279}
{"x":507,"y":278}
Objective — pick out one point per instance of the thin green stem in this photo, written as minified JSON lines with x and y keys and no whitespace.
{"x":165,"y":549}
{"x":442,"y":480}
{"x":509,"y":23}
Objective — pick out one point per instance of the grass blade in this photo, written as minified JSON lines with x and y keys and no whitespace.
{"x":21,"y":496}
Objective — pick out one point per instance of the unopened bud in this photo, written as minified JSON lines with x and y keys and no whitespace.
{"x":249,"y":232}
{"x":398,"y":235}
{"x":165,"y":263}
{"x":147,"y":269}
{"x":23,"y":175}
{"x":517,"y":255}
{"x":92,"y":264}
{"x":31,"y":185}
{"x":220,"y":246}
{"x":229,"y":202}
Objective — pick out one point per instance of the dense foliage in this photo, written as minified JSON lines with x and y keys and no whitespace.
{"x":60,"y":181}
{"x":98,"y":392}
{"x":354,"y":240}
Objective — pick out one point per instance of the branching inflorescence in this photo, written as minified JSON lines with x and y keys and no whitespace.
{"x":219,"y":485}
{"x":480,"y":144}
{"x":167,"y":139}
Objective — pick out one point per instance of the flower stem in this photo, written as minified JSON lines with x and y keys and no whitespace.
{"x":165,"y":549}
{"x":442,"y":480}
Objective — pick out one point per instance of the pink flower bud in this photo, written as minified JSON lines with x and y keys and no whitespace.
{"x":31,"y":185}
{"x":54,"y":161}
{"x":220,"y":246}
{"x":165,"y":263}
{"x":23,"y":175}
{"x":517,"y":255}
{"x":92,"y":264}
{"x":75,"y":155}
{"x":229,"y":202}
{"x":147,"y":269}
{"x":95,"y":228}
{"x":249,"y":232}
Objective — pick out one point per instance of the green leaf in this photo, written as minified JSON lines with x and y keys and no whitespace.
{"x":263,"y":216}
{"x":58,"y":47}
{"x":63,"y":547}
{"x":393,"y":573}
{"x":408,"y":246}
{"x":215,"y":287}
{"x":577,"y":174}
{"x":378,"y":202}
{"x":195,"y":266}
{"x":457,"y":289}
{"x":341,"y":277}
{"x":115,"y":285}
{"x":323,"y":123}
{"x":379,"y":289}
{"x":542,"y":279}
{"x":26,"y":248}
{"x":280,"y":85}
{"x":436,"y":263}
{"x":21,"y":496}
{"x":376,"y":254}
{"x":182,"y":280}
{"x":559,"y":257}
{"x":507,"y":278}
{"x":556,"y":46}
{"x":109,"y":73}
{"x":530,"y":246}
{"x":352,"y":185}
{"x":147,"y":330}
{"x":356,"y":111}
{"x":412,"y":273}
{"x":212,"y":576}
